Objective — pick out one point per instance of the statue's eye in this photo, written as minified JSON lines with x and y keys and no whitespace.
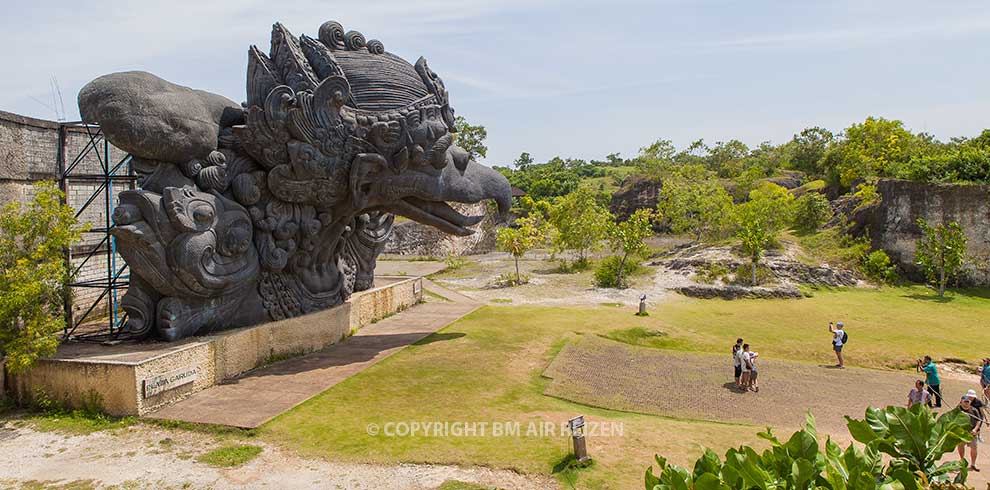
{"x":203,"y":214}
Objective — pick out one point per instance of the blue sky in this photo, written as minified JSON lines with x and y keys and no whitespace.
{"x":569,"y":78}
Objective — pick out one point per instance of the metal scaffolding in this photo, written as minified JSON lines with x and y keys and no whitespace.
{"x":91,"y":324}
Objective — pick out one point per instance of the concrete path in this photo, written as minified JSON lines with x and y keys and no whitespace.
{"x":260,"y":395}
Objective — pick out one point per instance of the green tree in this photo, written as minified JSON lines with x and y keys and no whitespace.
{"x":759,"y":221}
{"x":811,"y":211}
{"x":629,"y":237}
{"x":580,"y":221}
{"x":695,"y":204}
{"x":654,"y":160}
{"x":471,"y":138}
{"x":870,"y":149}
{"x":808,"y":149}
{"x":527,"y":233}
{"x":940,"y":252}
{"x":33,"y":275}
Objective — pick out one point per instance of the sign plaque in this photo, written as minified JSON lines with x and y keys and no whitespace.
{"x":169,"y":381}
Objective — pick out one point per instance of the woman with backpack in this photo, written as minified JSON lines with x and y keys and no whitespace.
{"x":839,"y":338}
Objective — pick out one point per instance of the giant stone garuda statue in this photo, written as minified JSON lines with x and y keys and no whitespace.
{"x":280,"y":206}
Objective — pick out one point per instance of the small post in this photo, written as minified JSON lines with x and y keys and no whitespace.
{"x":642,"y":306}
{"x":577,"y":435}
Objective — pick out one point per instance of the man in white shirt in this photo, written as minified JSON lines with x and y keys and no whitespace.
{"x":838,"y":339}
{"x":749,"y":367}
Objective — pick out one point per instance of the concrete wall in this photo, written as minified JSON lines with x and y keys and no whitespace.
{"x":893,"y":224}
{"x":28,"y":154}
{"x":112,"y":376}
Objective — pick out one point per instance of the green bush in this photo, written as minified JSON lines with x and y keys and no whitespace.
{"x":913,"y":440}
{"x":709,"y":273}
{"x":607,"y":273}
{"x":877,"y":266}
{"x":811,"y":211}
{"x":744,"y":275}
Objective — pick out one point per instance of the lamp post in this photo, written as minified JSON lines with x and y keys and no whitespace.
{"x":642,"y":305}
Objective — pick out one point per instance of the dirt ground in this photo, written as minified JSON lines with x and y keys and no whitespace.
{"x":549,"y":287}
{"x":610,"y":374}
{"x":148,"y":457}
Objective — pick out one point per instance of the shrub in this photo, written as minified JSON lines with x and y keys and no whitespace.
{"x":867,"y":194}
{"x":607,"y":273}
{"x":811,"y":211}
{"x":878,"y":268}
{"x":744,"y":275}
{"x":709,"y":273}
{"x":33,"y":275}
{"x":913,"y":440}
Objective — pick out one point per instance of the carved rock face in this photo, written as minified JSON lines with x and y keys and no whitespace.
{"x":288,"y":211}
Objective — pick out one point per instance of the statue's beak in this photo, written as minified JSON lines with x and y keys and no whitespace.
{"x":462,"y":180}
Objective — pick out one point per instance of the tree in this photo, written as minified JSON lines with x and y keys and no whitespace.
{"x":524,"y":161}
{"x":471,"y":138}
{"x":629,"y":237}
{"x":580,"y":221}
{"x":811,"y":211}
{"x":695,"y":204}
{"x":808,"y":148}
{"x":759,"y":220}
{"x":527,"y":233}
{"x":940,"y":252}
{"x":33,"y":275}
{"x":655,"y":159}
{"x":871,"y":149}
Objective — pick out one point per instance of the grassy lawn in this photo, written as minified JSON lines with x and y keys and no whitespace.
{"x":487,"y":368}
{"x":230,"y":455}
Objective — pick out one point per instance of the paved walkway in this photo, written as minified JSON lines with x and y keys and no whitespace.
{"x":260,"y":395}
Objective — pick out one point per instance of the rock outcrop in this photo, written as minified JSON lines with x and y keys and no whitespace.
{"x":892,"y":224}
{"x":636,"y":192}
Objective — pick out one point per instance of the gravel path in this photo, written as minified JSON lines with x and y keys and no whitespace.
{"x":146,"y":457}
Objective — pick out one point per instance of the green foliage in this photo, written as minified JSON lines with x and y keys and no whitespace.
{"x":470,"y":138}
{"x":877,"y":266}
{"x":744,"y":274}
{"x":808,"y":148}
{"x":33,"y":275}
{"x":526,"y":234}
{"x":556,"y":177}
{"x":867,"y":194}
{"x":230,"y":455}
{"x":454,"y":262}
{"x":711,"y":272}
{"x":913,"y":439}
{"x":940,"y":252}
{"x":759,"y":221}
{"x":690,"y":201}
{"x":629,"y":238}
{"x":607,"y":273}
{"x":581,"y":221}
{"x":811,"y":211}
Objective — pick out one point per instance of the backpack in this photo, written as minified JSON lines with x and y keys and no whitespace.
{"x":845,"y":337}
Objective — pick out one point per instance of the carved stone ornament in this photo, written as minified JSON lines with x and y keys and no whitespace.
{"x":279,"y":206}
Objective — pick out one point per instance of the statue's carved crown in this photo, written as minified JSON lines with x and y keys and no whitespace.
{"x":374,"y":79}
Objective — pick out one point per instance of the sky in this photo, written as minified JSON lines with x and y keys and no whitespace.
{"x":572,"y":78}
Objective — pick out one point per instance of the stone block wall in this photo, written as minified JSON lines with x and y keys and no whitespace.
{"x":28,"y":154}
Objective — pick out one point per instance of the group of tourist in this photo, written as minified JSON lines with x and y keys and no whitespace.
{"x":928,"y":392}
{"x":744,"y":366}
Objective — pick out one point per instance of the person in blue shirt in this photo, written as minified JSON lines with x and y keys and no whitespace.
{"x":985,"y":378}
{"x":931,"y":379}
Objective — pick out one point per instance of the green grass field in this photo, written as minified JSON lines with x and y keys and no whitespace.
{"x":487,"y":368}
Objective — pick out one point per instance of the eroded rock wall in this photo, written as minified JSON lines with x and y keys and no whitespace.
{"x":893,"y":224}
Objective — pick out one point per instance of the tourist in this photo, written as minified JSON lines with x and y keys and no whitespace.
{"x":985,"y":379}
{"x":931,"y":379}
{"x":918,"y":395}
{"x":749,"y":359}
{"x":737,"y":362}
{"x":839,"y":338}
{"x":974,"y":408}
